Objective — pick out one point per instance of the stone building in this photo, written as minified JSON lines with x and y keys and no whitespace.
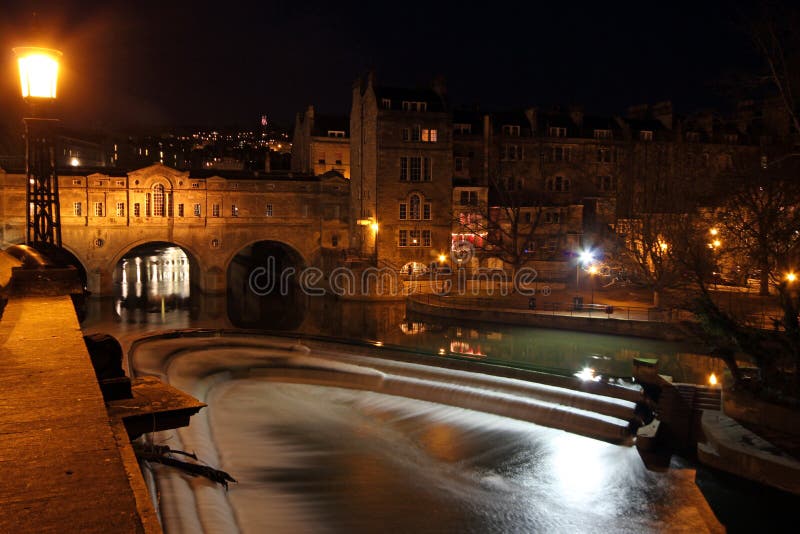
{"x":401,"y":174}
{"x":321,"y":143}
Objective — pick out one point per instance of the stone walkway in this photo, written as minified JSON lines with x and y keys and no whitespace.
{"x":63,"y":468}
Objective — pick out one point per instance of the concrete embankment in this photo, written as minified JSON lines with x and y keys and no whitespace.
{"x":601,"y":324}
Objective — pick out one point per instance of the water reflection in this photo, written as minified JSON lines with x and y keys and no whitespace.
{"x":152,"y":282}
{"x":154,"y":289}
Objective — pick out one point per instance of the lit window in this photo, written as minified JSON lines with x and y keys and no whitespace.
{"x":646,"y":135}
{"x":76,"y":209}
{"x":234,"y":210}
{"x":158,"y":200}
{"x":98,"y":209}
{"x":429,"y":135}
{"x":215,"y":210}
{"x":120,"y":209}
{"x":197,"y":210}
{"x":414,"y":235}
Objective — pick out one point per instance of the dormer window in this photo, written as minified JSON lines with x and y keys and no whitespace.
{"x":511,"y":129}
{"x":731,"y":138}
{"x":692,"y":136}
{"x":414,"y":106}
{"x":646,"y":135}
{"x":462,"y":128}
{"x":557,"y":131}
{"x":602,"y":134}
{"x":386,"y":103}
{"x":335,"y":133}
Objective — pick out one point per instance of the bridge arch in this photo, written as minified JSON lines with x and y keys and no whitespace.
{"x":195,"y":268}
{"x":262,"y":289}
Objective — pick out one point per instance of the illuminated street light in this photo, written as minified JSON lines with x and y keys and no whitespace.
{"x":712,"y":379}
{"x":713,"y":231}
{"x":791,"y":277}
{"x":38,"y":72}
{"x":442,"y":258}
{"x":38,"y":76}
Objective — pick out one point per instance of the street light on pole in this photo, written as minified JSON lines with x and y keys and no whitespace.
{"x":38,"y":73}
{"x":592,"y":272}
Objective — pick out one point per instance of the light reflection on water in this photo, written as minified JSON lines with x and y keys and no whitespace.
{"x":154,"y":289}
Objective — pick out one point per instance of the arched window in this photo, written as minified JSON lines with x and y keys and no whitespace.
{"x":158,"y":200}
{"x":413,"y":207}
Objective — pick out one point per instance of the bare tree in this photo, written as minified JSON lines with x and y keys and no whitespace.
{"x":513,"y":223}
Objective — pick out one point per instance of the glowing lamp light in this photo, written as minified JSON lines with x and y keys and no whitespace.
{"x":75,"y":162}
{"x":586,"y":374}
{"x":374,"y":227}
{"x":712,"y":379}
{"x":442,"y":258}
{"x":663,"y":246}
{"x":586,"y":257}
{"x":716,"y":243}
{"x":593,"y":269}
{"x":714,"y":231}
{"x":791,"y":277}
{"x":38,"y":71}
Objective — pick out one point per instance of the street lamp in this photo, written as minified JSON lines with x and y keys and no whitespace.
{"x":38,"y":75}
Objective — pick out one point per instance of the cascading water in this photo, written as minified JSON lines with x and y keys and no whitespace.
{"x":327,"y":441}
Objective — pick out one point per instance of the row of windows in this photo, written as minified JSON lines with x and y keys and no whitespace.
{"x":418,"y":133}
{"x":414,"y":238}
{"x":513,"y":130}
{"x":558,"y":184}
{"x":556,"y":154}
{"x":99,"y":211}
{"x":407,"y":105}
{"x":337,"y":158}
{"x":415,"y":169}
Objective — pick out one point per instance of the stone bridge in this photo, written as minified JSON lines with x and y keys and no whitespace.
{"x":210,"y":216}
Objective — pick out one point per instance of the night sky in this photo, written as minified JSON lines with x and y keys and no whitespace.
{"x":144,"y":64}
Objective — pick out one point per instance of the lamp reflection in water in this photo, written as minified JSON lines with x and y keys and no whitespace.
{"x":153,"y":280}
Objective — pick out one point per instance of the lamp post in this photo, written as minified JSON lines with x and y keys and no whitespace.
{"x":592,"y":272}
{"x":38,"y":72}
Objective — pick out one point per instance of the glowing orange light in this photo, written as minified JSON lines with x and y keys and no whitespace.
{"x":38,"y":71}
{"x":712,"y":379}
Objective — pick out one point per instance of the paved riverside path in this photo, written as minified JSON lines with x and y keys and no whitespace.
{"x":64,"y":467}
